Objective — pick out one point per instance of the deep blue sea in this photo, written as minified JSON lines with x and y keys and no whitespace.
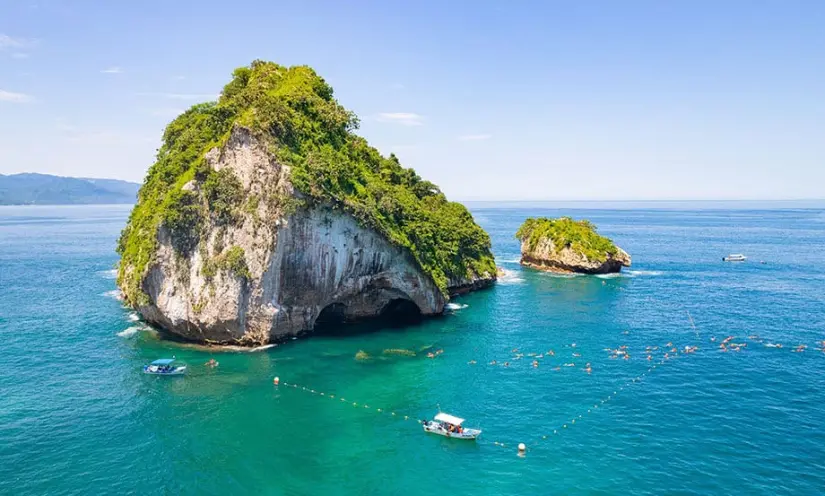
{"x":77,"y":416}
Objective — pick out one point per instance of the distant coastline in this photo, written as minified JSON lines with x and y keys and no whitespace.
{"x":649,"y":204}
{"x":45,"y":189}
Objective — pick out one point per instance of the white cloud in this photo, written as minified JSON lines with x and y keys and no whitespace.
{"x":112,"y":70}
{"x":475,"y":137}
{"x":7,"y":42}
{"x":10,"y":96}
{"x":403,"y":118}
{"x":182,"y":96}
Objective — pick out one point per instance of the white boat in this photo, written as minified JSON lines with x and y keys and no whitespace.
{"x":736,"y":257}
{"x":447,"y":425}
{"x":164,"y":366}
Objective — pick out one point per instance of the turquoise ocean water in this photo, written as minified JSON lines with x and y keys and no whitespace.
{"x":77,"y":416}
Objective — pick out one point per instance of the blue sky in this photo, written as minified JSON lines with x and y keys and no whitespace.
{"x":490,"y":100}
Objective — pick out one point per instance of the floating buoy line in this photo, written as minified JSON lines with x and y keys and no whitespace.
{"x":341,"y":399}
{"x":670,"y":353}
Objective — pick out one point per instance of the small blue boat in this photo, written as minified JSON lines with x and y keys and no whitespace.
{"x":164,"y":366}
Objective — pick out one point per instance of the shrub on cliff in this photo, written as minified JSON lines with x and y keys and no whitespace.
{"x":293,"y":110}
{"x":580,"y":236}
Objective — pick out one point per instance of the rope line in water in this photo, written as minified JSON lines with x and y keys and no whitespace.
{"x":596,"y":405}
{"x":724,"y":346}
{"x":354,"y":404}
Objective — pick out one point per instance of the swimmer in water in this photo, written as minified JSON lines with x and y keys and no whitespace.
{"x":587,"y":368}
{"x":556,"y":368}
{"x":569,"y":364}
{"x":576,"y":354}
{"x":471,"y":362}
{"x":650,"y":357}
{"x":430,"y":355}
{"x":493,"y":362}
{"x":713,"y":338}
{"x":573,"y":345}
{"x":506,"y":364}
{"x":626,"y":356}
{"x":535,"y":363}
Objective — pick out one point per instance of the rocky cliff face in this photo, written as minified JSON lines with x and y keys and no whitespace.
{"x":285,"y":262}
{"x":545,"y":256}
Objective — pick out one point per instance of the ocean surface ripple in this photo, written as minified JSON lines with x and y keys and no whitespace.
{"x":77,"y":416}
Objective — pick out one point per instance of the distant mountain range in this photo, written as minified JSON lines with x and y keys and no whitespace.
{"x":44,"y":189}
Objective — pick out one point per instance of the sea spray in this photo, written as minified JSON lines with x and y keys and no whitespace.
{"x":114,"y":294}
{"x":635,"y":273}
{"x":130,"y":331}
{"x":509,"y":277}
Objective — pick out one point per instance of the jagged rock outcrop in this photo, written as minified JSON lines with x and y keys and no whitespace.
{"x":245,"y":243}
{"x":565,"y":245}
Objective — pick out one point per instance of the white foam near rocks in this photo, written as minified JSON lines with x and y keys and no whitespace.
{"x":130,"y":331}
{"x":509,"y":277}
{"x":115,"y":294}
{"x":634,"y":273}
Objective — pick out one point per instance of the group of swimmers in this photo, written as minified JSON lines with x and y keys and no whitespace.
{"x":435,"y":354}
{"x":727,"y":344}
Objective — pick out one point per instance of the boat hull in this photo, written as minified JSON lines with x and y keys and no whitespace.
{"x":154,"y":371}
{"x":469,"y":434}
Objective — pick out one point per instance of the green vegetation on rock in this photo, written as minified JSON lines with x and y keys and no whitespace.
{"x":293,"y":111}
{"x":580,"y":236}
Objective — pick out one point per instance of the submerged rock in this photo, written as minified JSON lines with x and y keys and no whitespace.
{"x":264,"y":217}
{"x":566,"y":245}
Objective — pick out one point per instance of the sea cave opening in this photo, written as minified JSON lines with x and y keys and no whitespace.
{"x":397,"y":313}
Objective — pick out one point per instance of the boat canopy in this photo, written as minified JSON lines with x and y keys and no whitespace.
{"x":163,"y":361}
{"x":446,"y":417}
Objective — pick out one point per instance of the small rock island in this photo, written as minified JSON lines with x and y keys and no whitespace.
{"x":265,"y":216}
{"x":566,"y":245}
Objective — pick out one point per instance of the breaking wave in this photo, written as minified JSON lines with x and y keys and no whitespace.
{"x":108,"y":274}
{"x":130,"y":331}
{"x":115,"y":293}
{"x":634,"y":273}
{"x":510,"y":277}
{"x":455,"y":306}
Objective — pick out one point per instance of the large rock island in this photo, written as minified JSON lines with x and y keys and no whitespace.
{"x":265,"y":215}
{"x":567,"y":245}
